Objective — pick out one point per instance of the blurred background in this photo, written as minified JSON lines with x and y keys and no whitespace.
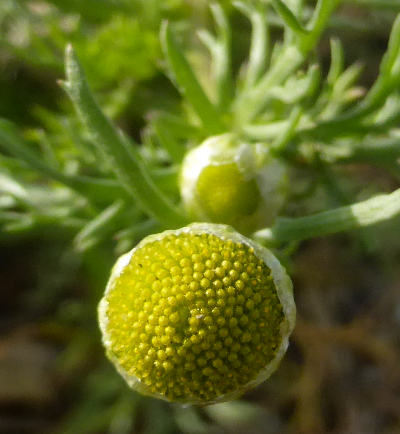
{"x":342,"y":371}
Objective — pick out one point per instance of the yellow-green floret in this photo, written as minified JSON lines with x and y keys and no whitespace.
{"x":193,"y":317}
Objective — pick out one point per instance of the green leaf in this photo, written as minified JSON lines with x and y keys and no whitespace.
{"x":11,"y":140}
{"x":317,"y":24}
{"x":291,"y":57}
{"x":389,"y":76}
{"x":220,"y":49}
{"x":96,"y":190}
{"x":288,"y":17}
{"x":124,"y":159}
{"x":188,"y":83}
{"x":337,"y":61}
{"x":259,"y":48}
{"x":376,"y":151}
{"x":222,"y":58}
{"x":283,"y":139}
{"x":100,"y":227}
{"x":387,"y":81}
{"x":267,"y":131}
{"x":174,"y":149}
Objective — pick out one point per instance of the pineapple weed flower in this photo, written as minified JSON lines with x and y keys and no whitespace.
{"x":228,"y":181}
{"x":197,"y":315}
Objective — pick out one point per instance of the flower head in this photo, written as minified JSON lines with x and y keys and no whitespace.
{"x":227,"y":181}
{"x":197,"y":315}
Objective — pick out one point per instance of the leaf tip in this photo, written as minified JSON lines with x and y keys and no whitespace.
{"x":164,"y":29}
{"x":69,"y":52}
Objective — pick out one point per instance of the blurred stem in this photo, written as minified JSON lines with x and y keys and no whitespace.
{"x":125,"y":162}
{"x":372,"y":211}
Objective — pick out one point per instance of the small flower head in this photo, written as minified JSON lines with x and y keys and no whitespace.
{"x":226,"y":181}
{"x":197,"y":315}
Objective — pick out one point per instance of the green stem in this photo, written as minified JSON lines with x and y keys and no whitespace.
{"x":124,"y":160}
{"x":369,"y":212}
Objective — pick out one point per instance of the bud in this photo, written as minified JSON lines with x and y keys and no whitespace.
{"x":226,"y":181}
{"x":197,"y":315}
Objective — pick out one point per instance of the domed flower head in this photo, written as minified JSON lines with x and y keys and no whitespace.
{"x":197,"y":315}
{"x":224,"y":180}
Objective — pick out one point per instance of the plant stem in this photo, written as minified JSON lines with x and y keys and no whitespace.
{"x":372,"y":211}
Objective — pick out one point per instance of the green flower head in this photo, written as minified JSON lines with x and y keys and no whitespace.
{"x":227,"y":181}
{"x":197,"y":315}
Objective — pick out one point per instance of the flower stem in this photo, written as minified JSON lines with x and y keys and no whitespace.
{"x":372,"y":211}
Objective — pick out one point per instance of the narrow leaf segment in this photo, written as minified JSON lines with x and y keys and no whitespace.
{"x":288,"y":17}
{"x":188,"y":83}
{"x":124,"y":159}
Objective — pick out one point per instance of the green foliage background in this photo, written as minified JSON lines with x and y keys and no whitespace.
{"x":342,"y":371}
